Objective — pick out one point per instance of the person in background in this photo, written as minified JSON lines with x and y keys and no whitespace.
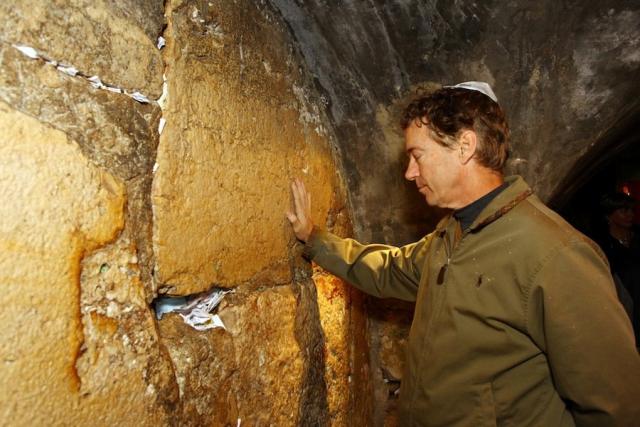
{"x":517,"y":322}
{"x":621,"y":243}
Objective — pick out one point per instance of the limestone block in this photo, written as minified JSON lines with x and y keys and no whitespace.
{"x":122,"y":363}
{"x":252,"y":371}
{"x":393,"y":320}
{"x":100,"y":38}
{"x":79,"y":344}
{"x":57,"y":207}
{"x":362,"y":384}
{"x":240,"y":126}
{"x":148,"y":15}
{"x":334,"y":307}
{"x":390,"y":325}
{"x":112,"y":130}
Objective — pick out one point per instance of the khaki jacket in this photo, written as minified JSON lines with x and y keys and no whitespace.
{"x":516,"y":323}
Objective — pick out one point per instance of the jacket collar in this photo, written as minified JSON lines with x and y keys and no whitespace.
{"x":517,"y":191}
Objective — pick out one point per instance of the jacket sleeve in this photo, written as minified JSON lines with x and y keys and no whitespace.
{"x":379,"y":270}
{"x":575,"y":317}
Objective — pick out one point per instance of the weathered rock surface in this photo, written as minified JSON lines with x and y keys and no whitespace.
{"x":334,"y":304}
{"x":81,"y":345}
{"x":289,"y":376}
{"x":115,"y":132}
{"x":123,"y":358}
{"x":58,"y":211}
{"x":229,"y":375}
{"x":96,"y":37}
{"x":240,"y":126}
{"x":390,"y":321}
{"x":241,"y":122}
{"x":91,"y":354}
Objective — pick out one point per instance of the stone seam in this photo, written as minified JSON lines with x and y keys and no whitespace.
{"x":72,"y":71}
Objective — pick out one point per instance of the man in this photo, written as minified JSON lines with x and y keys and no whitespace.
{"x":517,"y":321}
{"x":621,"y":243}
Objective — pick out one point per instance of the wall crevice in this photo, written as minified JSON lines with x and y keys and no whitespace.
{"x":94,"y":81}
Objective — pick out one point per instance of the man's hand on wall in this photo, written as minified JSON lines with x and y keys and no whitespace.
{"x":300,"y":218}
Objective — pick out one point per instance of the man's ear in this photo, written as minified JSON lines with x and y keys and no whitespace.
{"x":467,"y":144}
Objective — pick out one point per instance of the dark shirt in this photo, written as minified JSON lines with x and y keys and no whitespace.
{"x":625,"y":264}
{"x":469,"y":213}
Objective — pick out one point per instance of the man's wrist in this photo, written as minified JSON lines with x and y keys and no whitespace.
{"x":307,"y":252}
{"x":308,"y":234}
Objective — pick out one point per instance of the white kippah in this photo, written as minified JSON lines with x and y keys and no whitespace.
{"x":481,"y":87}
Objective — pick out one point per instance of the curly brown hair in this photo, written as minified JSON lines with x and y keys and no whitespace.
{"x":448,"y":111}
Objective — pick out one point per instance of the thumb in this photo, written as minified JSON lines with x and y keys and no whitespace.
{"x":291,"y":217}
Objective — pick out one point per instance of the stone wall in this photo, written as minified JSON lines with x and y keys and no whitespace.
{"x":129,"y":172}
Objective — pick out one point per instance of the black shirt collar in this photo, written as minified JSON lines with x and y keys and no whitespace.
{"x":469,"y":213}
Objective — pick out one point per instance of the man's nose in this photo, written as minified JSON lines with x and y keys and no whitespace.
{"x":412,"y":169}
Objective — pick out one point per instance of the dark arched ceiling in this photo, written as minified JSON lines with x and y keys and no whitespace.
{"x":563,"y":70}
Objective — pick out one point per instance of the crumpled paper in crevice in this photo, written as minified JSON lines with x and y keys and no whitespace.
{"x":196,"y":310}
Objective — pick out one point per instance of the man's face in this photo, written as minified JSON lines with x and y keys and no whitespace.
{"x":436,"y":169}
{"x":622,"y":217}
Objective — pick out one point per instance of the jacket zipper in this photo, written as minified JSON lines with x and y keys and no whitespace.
{"x":443,"y":269}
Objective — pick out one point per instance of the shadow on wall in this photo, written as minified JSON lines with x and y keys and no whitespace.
{"x":411,"y":218}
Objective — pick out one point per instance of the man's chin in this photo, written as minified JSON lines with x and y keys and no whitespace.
{"x":428,"y":196}
{"x":433,"y":202}
{"x":430,"y":200}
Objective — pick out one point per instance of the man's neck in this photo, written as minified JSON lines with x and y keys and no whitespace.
{"x":622,"y":234}
{"x":478,"y":185}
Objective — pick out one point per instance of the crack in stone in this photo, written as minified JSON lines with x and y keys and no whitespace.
{"x":163,"y":38}
{"x":72,"y":71}
{"x":161,"y":102}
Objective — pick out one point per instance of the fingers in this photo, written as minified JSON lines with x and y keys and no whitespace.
{"x":299,"y":215}
{"x":305,"y":196}
{"x":302,"y":199}
{"x":297,"y":199}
